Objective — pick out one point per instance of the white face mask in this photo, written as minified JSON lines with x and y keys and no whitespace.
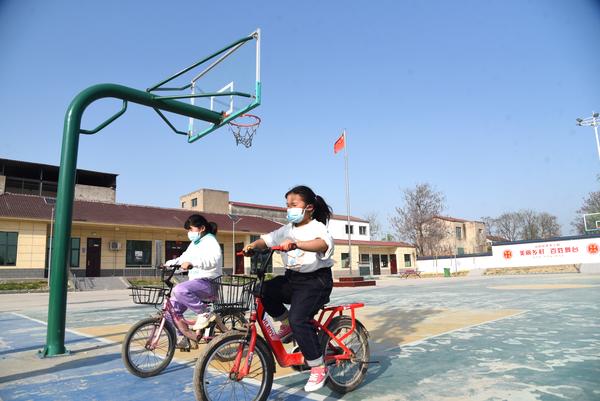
{"x":194,"y":235}
{"x":295,"y":214}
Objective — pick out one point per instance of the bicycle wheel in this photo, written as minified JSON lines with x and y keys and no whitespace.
{"x":139,"y":359}
{"x":212,"y":377}
{"x":231,"y":320}
{"x":346,"y":375}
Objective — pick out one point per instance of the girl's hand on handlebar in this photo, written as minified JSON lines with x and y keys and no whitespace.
{"x":288,"y":245}
{"x":248,"y":250}
{"x":185,"y":266}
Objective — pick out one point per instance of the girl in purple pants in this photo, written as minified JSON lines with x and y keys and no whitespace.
{"x":202,"y":259}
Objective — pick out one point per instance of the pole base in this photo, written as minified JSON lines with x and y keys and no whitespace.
{"x":47,"y":353}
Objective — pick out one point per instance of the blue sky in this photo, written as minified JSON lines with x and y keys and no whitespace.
{"x":477,"y":98}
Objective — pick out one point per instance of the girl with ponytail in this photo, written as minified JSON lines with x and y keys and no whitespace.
{"x":202,"y":259}
{"x":307,"y":282}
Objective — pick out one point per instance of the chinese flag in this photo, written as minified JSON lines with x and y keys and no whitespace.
{"x":340,"y":143}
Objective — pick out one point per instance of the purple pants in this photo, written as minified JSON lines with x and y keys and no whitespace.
{"x":190,"y":294}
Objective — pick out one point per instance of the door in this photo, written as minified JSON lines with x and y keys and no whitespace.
{"x":239,"y":260}
{"x":376,"y":265}
{"x":174,"y":249}
{"x":393,"y":265}
{"x":94,"y":252}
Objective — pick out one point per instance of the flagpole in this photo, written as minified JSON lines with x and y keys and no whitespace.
{"x":348,"y":202}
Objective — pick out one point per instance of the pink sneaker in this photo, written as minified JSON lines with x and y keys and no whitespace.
{"x":318,"y":376}
{"x":285,"y":333}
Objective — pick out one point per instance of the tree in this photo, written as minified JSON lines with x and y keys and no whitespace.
{"x":508,"y":225}
{"x":374,"y":225}
{"x":529,"y":224}
{"x":549,"y":226}
{"x":415,"y":221}
{"x":526,"y":224}
{"x":490,"y":225}
{"x":591,"y":204}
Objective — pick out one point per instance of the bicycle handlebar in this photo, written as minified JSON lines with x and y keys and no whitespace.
{"x":264,"y":251}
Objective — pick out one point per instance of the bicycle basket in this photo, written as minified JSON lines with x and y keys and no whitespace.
{"x":233,"y":293}
{"x":147,"y":295}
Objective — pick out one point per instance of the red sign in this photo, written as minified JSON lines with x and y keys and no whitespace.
{"x":592,"y":248}
{"x":507,"y":254}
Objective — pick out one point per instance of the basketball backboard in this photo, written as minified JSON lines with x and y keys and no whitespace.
{"x":226,"y":82}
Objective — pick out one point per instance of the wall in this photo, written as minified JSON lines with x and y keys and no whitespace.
{"x":525,"y":254}
{"x":337,"y":228}
{"x":209,"y":201}
{"x":471,"y":241}
{"x":94,"y":194}
{"x":31,"y":248}
{"x":2,"y":183}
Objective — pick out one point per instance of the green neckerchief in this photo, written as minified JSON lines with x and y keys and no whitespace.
{"x":196,"y":242}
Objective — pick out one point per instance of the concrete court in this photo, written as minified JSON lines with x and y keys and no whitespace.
{"x":497,"y":338}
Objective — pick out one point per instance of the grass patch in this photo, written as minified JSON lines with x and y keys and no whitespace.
{"x":461,"y":273}
{"x":532,"y":270}
{"x":24,"y":285}
{"x":145,"y":281}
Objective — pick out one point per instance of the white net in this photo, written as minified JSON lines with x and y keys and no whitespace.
{"x":244,"y":132}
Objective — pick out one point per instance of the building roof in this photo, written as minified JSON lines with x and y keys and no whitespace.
{"x":456,"y":220}
{"x":38,"y":207}
{"x":495,"y":238}
{"x":283,"y":209}
{"x":29,"y":170}
{"x":390,"y":244}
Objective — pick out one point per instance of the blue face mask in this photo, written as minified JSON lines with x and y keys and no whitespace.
{"x":194,"y":235}
{"x":295,"y":214}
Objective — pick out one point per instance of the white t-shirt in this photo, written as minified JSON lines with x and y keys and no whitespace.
{"x":205,"y":255}
{"x":299,"y":260}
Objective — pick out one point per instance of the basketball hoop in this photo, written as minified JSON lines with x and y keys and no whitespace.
{"x":244,"y":130}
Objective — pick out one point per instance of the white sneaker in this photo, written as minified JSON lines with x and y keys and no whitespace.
{"x":204,"y":320}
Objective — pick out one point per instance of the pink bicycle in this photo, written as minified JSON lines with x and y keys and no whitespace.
{"x":149,"y":345}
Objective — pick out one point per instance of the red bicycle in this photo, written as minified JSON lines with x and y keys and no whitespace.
{"x":248,"y":373}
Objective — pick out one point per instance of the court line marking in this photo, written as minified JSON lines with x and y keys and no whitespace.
{"x":278,"y":387}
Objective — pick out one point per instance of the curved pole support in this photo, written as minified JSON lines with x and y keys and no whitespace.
{"x":55,"y":336}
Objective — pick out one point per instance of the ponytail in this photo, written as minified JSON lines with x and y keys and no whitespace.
{"x":322,"y":211}
{"x":197,"y":220}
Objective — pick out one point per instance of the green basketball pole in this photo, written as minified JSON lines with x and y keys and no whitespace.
{"x":57,"y":306}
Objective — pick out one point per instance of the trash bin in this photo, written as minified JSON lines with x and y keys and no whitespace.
{"x":446,"y":272}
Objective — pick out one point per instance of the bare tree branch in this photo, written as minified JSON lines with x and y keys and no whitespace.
{"x":415,"y":223}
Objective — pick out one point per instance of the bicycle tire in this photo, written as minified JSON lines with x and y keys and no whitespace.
{"x":138,"y":335}
{"x":234,"y":320}
{"x":213,"y":382}
{"x":358,"y":342}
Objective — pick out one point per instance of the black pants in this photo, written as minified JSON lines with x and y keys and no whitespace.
{"x":306,"y":293}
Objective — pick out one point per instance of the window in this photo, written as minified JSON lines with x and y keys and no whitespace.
{"x":74,"y":254}
{"x":345,"y":261}
{"x":365,"y":259}
{"x":384,"y":260}
{"x":74,"y":249}
{"x":460,"y":251}
{"x":362,"y":230}
{"x":194,"y":202}
{"x":139,"y":253}
{"x":351,"y":229}
{"x":8,"y":248}
{"x":407,"y":262}
{"x":458,"y":232}
{"x":183,"y":205}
